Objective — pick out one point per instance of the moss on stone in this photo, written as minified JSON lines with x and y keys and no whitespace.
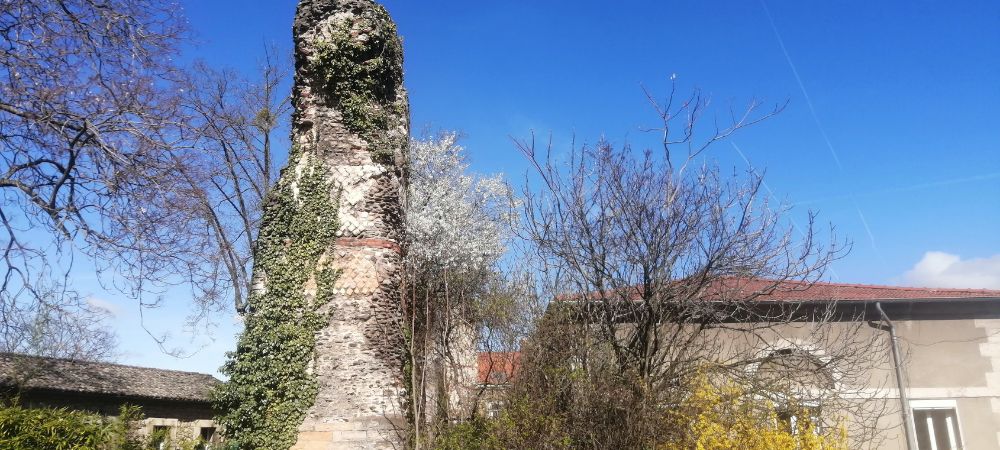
{"x":361,"y":71}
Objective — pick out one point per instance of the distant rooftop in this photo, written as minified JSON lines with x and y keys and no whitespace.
{"x":497,"y":368}
{"x":33,"y":373}
{"x":821,"y":291}
{"x":764,"y":290}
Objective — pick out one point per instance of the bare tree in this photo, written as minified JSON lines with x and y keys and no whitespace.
{"x":231,"y":129}
{"x":111,"y":151}
{"x":59,"y":323}
{"x":87,"y":125}
{"x":236,"y":126}
{"x":660,"y":266}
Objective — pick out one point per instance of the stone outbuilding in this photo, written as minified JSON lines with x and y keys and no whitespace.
{"x":173,"y":402}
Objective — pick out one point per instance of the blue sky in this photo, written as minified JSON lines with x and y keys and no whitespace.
{"x":902,"y":93}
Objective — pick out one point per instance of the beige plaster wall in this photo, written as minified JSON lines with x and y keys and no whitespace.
{"x":956,"y":360}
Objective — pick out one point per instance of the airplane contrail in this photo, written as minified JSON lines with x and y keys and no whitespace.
{"x":819,"y":123}
{"x":901,"y":189}
{"x":802,"y":86}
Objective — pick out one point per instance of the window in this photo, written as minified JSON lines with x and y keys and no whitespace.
{"x":935,"y":423}
{"x":793,"y":370}
{"x":497,"y":377}
{"x":493,"y":409}
{"x":800,"y":419}
{"x":207,"y":438}
{"x":160,"y":437}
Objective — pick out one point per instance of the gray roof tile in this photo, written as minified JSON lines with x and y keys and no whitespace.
{"x":38,"y":373}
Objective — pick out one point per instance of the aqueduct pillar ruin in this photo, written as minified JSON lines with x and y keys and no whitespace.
{"x":352,"y":117}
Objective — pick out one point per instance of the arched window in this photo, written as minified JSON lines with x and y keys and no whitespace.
{"x":795,"y":379}
{"x":797,"y":369}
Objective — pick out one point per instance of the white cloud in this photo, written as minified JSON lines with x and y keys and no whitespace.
{"x":944,"y":270}
{"x":112,"y":309}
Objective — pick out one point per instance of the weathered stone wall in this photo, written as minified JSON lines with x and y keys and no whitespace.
{"x":357,"y":128}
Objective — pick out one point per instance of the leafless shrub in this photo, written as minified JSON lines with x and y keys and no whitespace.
{"x":662,"y":267}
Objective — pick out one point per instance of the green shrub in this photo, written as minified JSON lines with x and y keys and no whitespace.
{"x":60,"y":428}
{"x":476,"y":434}
{"x":522,"y":424}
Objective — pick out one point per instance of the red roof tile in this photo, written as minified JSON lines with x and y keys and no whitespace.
{"x":791,"y":291}
{"x":498,"y":367}
{"x":819,"y":291}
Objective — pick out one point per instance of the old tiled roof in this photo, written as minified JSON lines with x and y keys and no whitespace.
{"x":819,"y":291}
{"x":798,"y":291}
{"x":66,"y":375}
{"x":498,"y":367}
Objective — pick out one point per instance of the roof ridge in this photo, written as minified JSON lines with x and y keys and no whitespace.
{"x":102,"y":363}
{"x":897,"y":288}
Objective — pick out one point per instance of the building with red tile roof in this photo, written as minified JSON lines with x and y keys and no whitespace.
{"x":947,"y":339}
{"x":497,"y":368}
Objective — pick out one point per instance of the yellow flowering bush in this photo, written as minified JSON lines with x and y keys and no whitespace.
{"x":716,"y":417}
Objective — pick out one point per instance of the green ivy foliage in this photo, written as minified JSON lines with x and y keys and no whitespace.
{"x":270,"y":386}
{"x":362,"y":77}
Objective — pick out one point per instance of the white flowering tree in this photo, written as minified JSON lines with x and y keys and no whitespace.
{"x":458,"y":229}
{"x":456,"y":221}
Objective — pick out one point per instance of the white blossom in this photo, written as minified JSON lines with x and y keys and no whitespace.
{"x":455,"y":220}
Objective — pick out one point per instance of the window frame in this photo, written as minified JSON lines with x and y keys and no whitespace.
{"x":820,"y":357}
{"x":815,"y":410}
{"x":938,"y":404}
{"x":161,"y":443}
{"x":494,"y":409}
{"x":207,"y":444}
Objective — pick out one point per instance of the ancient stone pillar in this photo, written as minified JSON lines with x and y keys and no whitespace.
{"x":352,"y":117}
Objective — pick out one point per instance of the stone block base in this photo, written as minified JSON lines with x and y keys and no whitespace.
{"x":375,"y":433}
